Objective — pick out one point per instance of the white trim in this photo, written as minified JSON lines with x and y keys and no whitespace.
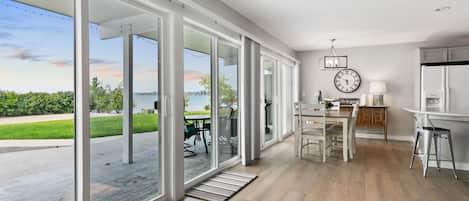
{"x":82,"y":113}
{"x":448,"y":165}
{"x":174,"y":27}
{"x":406,"y":138}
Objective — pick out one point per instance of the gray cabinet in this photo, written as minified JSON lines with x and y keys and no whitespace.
{"x":458,"y":53}
{"x":433,"y":55}
{"x":441,"y":55}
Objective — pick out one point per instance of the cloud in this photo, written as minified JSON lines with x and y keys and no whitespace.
{"x":62,"y":63}
{"x":102,"y":61}
{"x":25,"y":55}
{"x":108,"y":71}
{"x":9,"y":45}
{"x":4,"y":35}
{"x":193,"y":75}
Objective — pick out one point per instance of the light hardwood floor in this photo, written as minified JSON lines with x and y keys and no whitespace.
{"x":379,"y":173}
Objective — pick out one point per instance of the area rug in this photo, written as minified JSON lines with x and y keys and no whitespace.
{"x":221,"y":187}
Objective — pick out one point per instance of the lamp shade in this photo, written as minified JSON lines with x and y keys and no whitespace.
{"x":377,"y":87}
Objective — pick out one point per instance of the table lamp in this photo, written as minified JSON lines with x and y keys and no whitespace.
{"x":377,"y":89}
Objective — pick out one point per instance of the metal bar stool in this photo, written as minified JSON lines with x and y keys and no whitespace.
{"x":429,"y":133}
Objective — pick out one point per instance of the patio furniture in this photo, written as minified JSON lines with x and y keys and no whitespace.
{"x":199,"y":121}
{"x":189,"y":131}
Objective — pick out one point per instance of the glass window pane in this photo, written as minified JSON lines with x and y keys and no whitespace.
{"x":269,"y":109}
{"x":197,"y":104}
{"x":36,"y":100}
{"x":228,"y":102}
{"x":125,"y":163}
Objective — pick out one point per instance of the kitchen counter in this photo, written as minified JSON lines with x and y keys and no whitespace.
{"x":435,"y":112}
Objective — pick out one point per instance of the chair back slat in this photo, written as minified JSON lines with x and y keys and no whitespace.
{"x":306,"y":123}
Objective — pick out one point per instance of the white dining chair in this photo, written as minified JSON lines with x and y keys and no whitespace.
{"x":337,"y":133}
{"x":312,"y":130}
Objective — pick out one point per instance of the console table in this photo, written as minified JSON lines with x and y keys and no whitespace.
{"x":371,"y":117}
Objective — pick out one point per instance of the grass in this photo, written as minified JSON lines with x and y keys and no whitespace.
{"x":63,"y":129}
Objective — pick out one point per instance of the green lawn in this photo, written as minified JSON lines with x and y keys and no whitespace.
{"x":63,"y":129}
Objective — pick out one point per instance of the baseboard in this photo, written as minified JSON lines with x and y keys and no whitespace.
{"x":448,"y":165}
{"x":381,"y":137}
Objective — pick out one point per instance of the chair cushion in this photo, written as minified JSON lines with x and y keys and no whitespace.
{"x":436,"y":128}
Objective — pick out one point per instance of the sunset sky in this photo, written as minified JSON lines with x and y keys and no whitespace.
{"x":36,"y":54}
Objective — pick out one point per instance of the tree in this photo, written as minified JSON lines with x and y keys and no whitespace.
{"x":186,"y":103}
{"x":117,"y":98}
{"x":227,"y":94}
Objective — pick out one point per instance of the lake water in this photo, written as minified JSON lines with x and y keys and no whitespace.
{"x":145,"y":102}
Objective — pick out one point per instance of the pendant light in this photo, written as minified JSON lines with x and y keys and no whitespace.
{"x":334,"y":61}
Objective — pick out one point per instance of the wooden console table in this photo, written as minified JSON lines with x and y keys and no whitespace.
{"x":371,"y":117}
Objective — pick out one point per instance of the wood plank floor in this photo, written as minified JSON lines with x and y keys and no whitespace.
{"x":379,"y":173}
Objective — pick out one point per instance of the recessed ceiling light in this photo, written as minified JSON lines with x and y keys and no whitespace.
{"x":443,"y":8}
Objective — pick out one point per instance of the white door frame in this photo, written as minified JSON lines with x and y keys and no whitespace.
{"x":274,"y":113}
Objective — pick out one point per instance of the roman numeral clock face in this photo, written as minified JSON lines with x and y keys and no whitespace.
{"x":347,"y":80}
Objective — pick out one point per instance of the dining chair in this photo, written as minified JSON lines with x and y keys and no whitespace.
{"x":312,"y":130}
{"x":337,"y":132}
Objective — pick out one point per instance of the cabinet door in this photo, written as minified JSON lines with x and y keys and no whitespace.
{"x":379,"y":118}
{"x":458,"y":53}
{"x":364,"y":118}
{"x":433,"y":55}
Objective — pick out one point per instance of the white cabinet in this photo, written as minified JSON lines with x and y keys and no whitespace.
{"x":443,"y":55}
{"x":458,"y":53}
{"x":433,"y":55}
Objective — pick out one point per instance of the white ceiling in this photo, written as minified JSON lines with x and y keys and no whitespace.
{"x":309,"y":24}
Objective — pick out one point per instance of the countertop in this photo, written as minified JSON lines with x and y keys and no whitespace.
{"x":435,"y":112}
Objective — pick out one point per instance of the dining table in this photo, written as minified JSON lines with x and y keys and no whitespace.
{"x":343,"y":117}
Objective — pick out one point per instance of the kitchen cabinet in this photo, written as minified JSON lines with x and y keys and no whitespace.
{"x":444,"y":55}
{"x":371,"y":117}
{"x":433,"y":55}
{"x":458,"y":54}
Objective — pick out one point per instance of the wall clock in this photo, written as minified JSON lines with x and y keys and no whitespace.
{"x":347,"y":80}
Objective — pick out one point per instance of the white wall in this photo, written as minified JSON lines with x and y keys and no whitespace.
{"x":398,"y":65}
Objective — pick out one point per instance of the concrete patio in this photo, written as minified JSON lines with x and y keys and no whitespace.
{"x":48,"y":173}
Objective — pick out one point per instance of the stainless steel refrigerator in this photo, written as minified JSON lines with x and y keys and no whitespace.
{"x":446,"y":88}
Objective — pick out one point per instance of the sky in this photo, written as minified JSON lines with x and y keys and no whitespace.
{"x":36,"y":55}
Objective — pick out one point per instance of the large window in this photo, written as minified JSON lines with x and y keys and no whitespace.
{"x":228,"y":106}
{"x":125,"y":144}
{"x":198,"y":133}
{"x":36,"y":102}
{"x":43,"y":96}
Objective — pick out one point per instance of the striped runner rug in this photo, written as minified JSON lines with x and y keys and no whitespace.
{"x":221,"y":186}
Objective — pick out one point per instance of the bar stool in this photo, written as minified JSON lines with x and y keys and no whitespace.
{"x":429,"y":133}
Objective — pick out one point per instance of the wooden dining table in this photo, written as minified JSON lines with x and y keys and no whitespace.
{"x":331,"y":115}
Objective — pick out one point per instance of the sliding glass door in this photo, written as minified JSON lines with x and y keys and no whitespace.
{"x":37,"y":101}
{"x":198,"y":132}
{"x":268,"y":101}
{"x":211,"y":67}
{"x":125,"y":159}
{"x":228,"y":106}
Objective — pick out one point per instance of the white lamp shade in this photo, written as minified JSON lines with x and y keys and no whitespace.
{"x":378,"y":87}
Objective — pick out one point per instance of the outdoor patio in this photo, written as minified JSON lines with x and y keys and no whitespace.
{"x":48,"y":173}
